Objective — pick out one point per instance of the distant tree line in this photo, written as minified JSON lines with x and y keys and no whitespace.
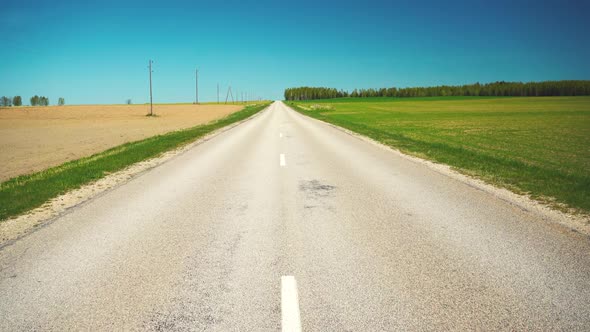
{"x":7,"y":101}
{"x":39,"y":101}
{"x":530,"y":89}
{"x":305,"y":93}
{"x":35,"y":101}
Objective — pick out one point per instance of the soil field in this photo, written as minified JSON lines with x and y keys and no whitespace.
{"x":36,"y":138}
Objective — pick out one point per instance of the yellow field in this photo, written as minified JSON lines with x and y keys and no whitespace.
{"x":35,"y":138}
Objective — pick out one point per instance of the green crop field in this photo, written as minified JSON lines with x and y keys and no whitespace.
{"x":534,"y":145}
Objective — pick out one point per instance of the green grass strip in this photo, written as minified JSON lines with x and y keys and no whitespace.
{"x":27,"y":192}
{"x":543,"y":183}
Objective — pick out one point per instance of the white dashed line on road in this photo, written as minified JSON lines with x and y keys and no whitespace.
{"x":282,"y":160}
{"x":290,"y":316}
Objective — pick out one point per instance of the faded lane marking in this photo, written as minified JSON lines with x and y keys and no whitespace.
{"x":290,"y":315}
{"x":282,"y":160}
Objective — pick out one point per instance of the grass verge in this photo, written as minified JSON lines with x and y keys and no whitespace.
{"x":531,"y":145}
{"x":27,"y":192}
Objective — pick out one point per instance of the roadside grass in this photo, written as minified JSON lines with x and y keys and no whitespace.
{"x":538,"y":146}
{"x":27,"y":192}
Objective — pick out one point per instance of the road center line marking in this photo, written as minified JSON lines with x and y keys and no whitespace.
{"x":282,"y":161}
{"x":290,"y":315}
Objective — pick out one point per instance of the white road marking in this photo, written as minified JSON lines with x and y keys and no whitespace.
{"x":290,"y":316}
{"x":280,"y":135}
{"x":282,"y":160}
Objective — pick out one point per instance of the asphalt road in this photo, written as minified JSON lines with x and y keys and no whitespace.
{"x":285,"y":217}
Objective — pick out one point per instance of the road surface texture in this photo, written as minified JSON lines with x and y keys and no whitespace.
{"x":285,"y":217}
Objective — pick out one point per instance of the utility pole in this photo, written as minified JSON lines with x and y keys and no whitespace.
{"x":228,"y":94}
{"x":151,"y":99}
{"x":218,"y":93}
{"x":196,"y":86}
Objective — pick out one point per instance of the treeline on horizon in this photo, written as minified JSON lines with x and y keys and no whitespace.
{"x":509,"y":89}
{"x":35,"y":101}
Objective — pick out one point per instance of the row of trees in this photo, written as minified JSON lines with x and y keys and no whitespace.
{"x":547,"y":88}
{"x":35,"y":101}
{"x":304,"y":93}
{"x":7,"y":101}
{"x":39,"y":101}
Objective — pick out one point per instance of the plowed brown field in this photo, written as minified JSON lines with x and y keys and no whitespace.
{"x":36,"y":138}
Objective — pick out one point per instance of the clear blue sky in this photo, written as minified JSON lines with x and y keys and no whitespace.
{"x":98,"y":53}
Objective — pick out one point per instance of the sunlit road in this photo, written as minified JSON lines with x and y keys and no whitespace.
{"x":284,"y":222}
